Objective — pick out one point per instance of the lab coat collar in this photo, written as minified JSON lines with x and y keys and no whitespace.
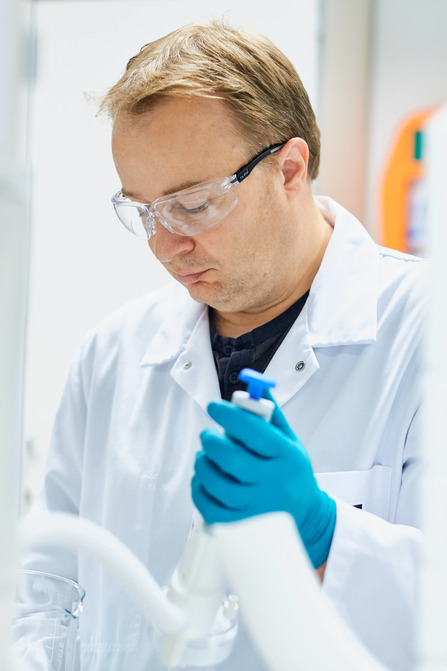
{"x":178,"y":320}
{"x":342,"y":304}
{"x":341,"y":308}
{"x":183,"y":339}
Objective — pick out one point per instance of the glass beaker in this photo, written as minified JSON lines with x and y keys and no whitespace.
{"x":200,"y":654}
{"x":45,"y":623}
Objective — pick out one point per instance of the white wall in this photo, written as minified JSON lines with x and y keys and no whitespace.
{"x":84,"y":264}
{"x":344,"y":101}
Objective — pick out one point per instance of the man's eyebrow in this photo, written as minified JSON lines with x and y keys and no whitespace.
{"x":175,"y":189}
{"x":181,"y":187}
{"x":133,"y":196}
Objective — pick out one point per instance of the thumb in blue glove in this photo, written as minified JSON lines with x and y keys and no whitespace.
{"x":258,"y":467}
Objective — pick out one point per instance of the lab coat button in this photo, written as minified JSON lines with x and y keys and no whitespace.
{"x":187,"y":365}
{"x":300,"y":365}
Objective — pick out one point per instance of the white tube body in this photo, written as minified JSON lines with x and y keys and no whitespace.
{"x":291,"y":621}
{"x":197,"y":586}
{"x":197,"y":582}
{"x":262,"y":407}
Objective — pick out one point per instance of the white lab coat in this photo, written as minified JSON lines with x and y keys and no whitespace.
{"x":135,"y":402}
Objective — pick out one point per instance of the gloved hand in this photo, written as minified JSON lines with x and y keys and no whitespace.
{"x":259,"y":467}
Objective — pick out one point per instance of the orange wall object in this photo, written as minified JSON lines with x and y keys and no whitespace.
{"x":402,"y":169}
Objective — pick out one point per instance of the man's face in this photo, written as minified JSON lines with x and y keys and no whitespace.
{"x":239,"y":265}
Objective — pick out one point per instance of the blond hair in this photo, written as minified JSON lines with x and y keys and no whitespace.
{"x":249,"y":73}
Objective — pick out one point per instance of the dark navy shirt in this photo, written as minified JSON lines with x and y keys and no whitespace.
{"x":250,"y":350}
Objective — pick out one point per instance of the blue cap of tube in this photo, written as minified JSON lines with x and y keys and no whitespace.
{"x":256,"y":382}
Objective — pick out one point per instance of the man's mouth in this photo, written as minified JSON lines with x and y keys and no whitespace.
{"x":189,"y":278}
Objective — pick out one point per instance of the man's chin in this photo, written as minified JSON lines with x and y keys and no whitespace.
{"x":209,"y":294}
{"x":202,"y":292}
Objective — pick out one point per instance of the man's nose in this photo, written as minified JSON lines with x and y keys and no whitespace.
{"x":166,"y":245}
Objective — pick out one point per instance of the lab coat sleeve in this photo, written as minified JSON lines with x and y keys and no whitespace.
{"x":62,"y":484}
{"x":371,"y":579}
{"x":371,"y":574}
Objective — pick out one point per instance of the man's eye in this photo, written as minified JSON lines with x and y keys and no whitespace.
{"x":190,"y":209}
{"x":198,"y":208}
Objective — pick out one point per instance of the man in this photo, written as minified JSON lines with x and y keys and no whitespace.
{"x":216,"y":147}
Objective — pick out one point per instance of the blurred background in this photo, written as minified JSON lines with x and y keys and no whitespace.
{"x":374,"y":70}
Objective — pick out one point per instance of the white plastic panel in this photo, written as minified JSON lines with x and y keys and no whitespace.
{"x":433,"y":583}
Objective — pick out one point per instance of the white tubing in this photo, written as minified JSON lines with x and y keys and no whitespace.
{"x":78,"y":534}
{"x":291,"y":621}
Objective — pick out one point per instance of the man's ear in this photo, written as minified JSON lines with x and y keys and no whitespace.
{"x":293,"y":159}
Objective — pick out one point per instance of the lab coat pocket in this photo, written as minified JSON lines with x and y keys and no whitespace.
{"x":368,"y":490}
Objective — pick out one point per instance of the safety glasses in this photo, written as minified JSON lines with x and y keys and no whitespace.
{"x":190,"y":211}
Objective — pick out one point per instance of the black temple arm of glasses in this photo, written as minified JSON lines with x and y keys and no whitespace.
{"x":243,"y":172}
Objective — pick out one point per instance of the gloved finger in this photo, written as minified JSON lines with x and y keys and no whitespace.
{"x":250,"y":430}
{"x":211,"y":510}
{"x":231,"y":457}
{"x":222,"y":487}
{"x":278,"y":418}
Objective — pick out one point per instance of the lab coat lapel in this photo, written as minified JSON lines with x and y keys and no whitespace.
{"x":194,"y":369}
{"x":182,"y":338}
{"x":294,"y":362}
{"x":342,"y":305}
{"x":173,"y":323}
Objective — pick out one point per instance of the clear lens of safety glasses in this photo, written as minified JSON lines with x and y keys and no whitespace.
{"x":188,"y":212}
{"x":134,"y":216}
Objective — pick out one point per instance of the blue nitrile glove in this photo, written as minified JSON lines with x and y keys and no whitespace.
{"x":260,"y":467}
